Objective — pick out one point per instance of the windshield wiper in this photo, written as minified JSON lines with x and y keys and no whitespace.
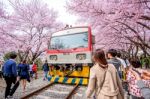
{"x":52,"y":48}
{"x":78,"y":47}
{"x":75,"y":48}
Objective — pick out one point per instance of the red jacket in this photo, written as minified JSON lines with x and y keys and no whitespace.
{"x":34,"y":68}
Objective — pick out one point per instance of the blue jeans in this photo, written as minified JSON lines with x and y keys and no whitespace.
{"x":45,"y":74}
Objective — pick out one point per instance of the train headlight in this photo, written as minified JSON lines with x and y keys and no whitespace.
{"x":81,"y":56}
{"x":53,"y":57}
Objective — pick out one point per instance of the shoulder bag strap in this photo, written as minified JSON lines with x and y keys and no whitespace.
{"x":100,"y":87}
{"x":103,"y":79}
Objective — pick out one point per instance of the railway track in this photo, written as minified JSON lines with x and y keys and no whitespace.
{"x":55,"y":91}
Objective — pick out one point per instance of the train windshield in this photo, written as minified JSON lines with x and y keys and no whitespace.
{"x":77,"y":40}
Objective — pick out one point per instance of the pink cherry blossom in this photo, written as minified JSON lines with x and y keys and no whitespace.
{"x":119,"y":24}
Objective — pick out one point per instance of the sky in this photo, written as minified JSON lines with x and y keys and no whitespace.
{"x":57,"y":5}
{"x":63,"y":15}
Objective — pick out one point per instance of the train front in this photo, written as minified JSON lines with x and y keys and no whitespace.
{"x":69,"y":55}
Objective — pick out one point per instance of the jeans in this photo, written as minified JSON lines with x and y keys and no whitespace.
{"x":9,"y":81}
{"x":45,"y":74}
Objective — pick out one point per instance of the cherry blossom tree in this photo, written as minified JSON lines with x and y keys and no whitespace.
{"x":33,"y":23}
{"x":118,"y":23}
{"x":6,"y":40}
{"x":1,"y":9}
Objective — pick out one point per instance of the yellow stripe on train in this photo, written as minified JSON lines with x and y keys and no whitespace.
{"x":68,"y":80}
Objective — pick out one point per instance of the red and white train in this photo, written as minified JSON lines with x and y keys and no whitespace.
{"x":70,"y":52}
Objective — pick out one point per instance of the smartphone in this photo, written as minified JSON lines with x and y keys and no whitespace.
{"x":136,"y":71}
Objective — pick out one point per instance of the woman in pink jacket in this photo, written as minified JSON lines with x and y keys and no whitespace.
{"x":104,"y":79}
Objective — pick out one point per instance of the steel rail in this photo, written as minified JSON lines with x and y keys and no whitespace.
{"x":36,"y":91}
{"x":71,"y":93}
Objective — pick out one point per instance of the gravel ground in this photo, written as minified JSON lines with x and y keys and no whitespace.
{"x":61,"y":91}
{"x":37,"y":83}
{"x":80,"y":93}
{"x":56,"y":91}
{"x":34,"y":84}
{"x":2,"y":88}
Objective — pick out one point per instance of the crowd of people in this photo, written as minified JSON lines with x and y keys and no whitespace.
{"x":106,"y":76}
{"x":110,"y":71}
{"x":14,"y":73}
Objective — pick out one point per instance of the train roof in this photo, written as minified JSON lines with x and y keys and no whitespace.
{"x":72,"y":28}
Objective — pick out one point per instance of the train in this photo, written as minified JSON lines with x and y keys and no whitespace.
{"x":69,"y":55}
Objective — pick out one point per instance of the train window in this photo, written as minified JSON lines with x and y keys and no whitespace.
{"x":76,"y":40}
